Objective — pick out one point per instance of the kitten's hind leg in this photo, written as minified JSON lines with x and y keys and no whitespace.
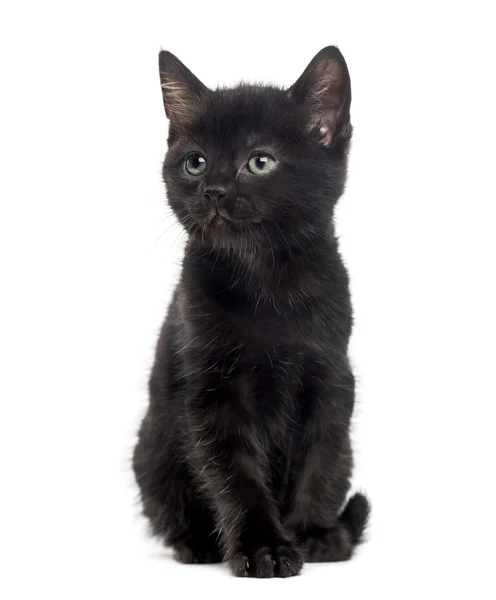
{"x":170,"y":499}
{"x":198,"y":544}
{"x":339,"y":542}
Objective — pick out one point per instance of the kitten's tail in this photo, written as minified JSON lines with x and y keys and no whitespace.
{"x":339,"y":542}
{"x":355,"y":516}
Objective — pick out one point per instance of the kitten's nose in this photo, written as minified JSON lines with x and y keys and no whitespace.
{"x":215,"y":195}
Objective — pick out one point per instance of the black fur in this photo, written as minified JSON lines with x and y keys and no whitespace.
{"x":244,"y":453}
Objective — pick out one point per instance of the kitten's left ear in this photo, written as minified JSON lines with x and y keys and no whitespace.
{"x":181,"y":90}
{"x":324,"y":92}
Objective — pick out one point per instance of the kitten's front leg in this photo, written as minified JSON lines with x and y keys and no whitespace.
{"x":232,"y":470}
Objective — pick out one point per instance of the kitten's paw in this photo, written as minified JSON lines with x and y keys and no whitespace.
{"x":196,"y":552}
{"x":282,"y":560}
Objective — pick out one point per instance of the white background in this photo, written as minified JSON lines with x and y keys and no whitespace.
{"x":90,"y":254}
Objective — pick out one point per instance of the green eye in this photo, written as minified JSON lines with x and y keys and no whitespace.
{"x":261,"y":164}
{"x":195,"y":164}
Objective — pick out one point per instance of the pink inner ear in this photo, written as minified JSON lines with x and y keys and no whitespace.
{"x":322,"y":126}
{"x":326,"y":134}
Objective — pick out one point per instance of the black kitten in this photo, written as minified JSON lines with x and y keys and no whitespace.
{"x":244,"y":454}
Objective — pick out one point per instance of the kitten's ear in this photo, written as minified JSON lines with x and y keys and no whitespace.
{"x":181,"y":90}
{"x":324,"y":92}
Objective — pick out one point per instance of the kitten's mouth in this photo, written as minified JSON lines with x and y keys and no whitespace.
{"x":219,"y":220}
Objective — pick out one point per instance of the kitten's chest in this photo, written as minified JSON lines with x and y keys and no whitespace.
{"x":258,"y":386}
{"x":270,"y":384}
{"x":263,"y":394}
{"x":266,"y":380}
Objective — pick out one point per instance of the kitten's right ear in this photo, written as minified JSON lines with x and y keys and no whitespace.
{"x":181,"y":90}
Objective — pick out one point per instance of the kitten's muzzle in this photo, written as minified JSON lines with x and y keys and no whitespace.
{"x":222,"y":206}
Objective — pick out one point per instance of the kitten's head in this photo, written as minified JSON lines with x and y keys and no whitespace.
{"x":257,"y":166}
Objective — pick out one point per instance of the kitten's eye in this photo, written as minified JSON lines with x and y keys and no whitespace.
{"x":195,"y":164}
{"x":261,"y":164}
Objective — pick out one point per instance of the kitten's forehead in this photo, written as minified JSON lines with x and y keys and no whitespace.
{"x":254,"y":113}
